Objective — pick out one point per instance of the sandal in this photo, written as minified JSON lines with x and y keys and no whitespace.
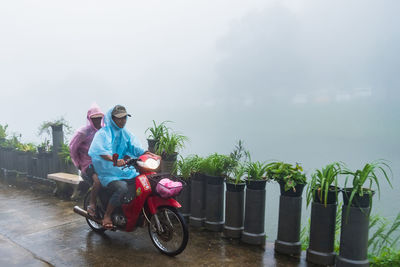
{"x":107,"y":225}
{"x":91,"y":211}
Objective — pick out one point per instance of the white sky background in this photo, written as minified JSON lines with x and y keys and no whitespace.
{"x":306,"y":81}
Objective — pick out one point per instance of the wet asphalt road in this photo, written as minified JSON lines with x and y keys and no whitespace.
{"x":39,"y":229}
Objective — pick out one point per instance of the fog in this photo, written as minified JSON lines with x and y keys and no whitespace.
{"x":300,"y":81}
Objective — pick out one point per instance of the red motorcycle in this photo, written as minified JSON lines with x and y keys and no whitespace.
{"x":142,"y":206}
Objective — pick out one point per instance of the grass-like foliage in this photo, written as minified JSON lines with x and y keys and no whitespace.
{"x":157,"y":131}
{"x":217,"y":165}
{"x":324,"y":180}
{"x":185,"y":167}
{"x":170,"y":143}
{"x":383,"y":244}
{"x":237,"y":173}
{"x":255,"y":170}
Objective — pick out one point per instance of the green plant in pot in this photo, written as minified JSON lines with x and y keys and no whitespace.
{"x":254,"y":211}
{"x":58,"y":128}
{"x":186,"y":167}
{"x":156,"y":133}
{"x":170,"y":144}
{"x":215,"y":169}
{"x":363,"y":181}
{"x":324,"y":183}
{"x":290,"y":178}
{"x":234,"y":194}
{"x":168,"y":148}
{"x":256,"y":171}
{"x":236,"y":175}
{"x":239,"y":156}
{"x":45,"y":127}
{"x":217,"y":165}
{"x":357,"y":203}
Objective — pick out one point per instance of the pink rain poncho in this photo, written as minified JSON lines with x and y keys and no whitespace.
{"x":109,"y":140}
{"x":80,"y":142}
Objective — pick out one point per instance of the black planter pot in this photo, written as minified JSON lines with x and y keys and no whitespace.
{"x":151,"y":145}
{"x":254,"y":213}
{"x":354,"y":237}
{"x":288,"y":240}
{"x":358,"y":201}
{"x":197,"y":200}
{"x":331,"y":199}
{"x":214,"y":203}
{"x":234,"y":209}
{"x":322,"y":233}
{"x":291,"y":193}
{"x":184,"y":199}
{"x":167,"y":162}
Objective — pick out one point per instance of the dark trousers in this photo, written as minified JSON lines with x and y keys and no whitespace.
{"x":119,"y":189}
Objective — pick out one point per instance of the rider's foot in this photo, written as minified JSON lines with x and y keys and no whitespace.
{"x":107,"y":223}
{"x":91,"y":210}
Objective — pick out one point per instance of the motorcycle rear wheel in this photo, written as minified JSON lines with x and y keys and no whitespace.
{"x":174,"y":236}
{"x":94,"y":225}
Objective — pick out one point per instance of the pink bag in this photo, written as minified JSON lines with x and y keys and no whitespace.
{"x":167,"y":188}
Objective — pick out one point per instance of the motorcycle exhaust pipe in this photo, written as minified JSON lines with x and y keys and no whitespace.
{"x":84,"y":213}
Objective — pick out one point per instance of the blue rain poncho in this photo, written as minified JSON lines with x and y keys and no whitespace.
{"x":109,"y":140}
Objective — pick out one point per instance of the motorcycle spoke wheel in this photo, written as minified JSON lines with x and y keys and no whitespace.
{"x":99,"y":214}
{"x":173,"y":237}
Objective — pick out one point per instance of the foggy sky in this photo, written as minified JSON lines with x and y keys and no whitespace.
{"x":182,"y":59}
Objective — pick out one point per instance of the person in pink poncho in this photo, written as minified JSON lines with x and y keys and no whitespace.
{"x":79,"y":147}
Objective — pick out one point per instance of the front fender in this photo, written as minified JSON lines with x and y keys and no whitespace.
{"x":153,"y":202}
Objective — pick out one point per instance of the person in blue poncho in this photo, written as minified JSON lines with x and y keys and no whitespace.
{"x":114,"y":138}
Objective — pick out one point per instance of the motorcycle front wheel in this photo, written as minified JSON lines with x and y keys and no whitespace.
{"x":171,"y":235}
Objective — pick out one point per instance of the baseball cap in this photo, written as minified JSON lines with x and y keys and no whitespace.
{"x":98,"y":115}
{"x":119,"y":111}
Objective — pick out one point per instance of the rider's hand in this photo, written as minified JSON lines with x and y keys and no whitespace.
{"x":120,"y":162}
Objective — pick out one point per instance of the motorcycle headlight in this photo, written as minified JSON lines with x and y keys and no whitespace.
{"x":150,"y":164}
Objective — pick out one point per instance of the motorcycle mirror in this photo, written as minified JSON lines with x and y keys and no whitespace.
{"x":115,"y":158}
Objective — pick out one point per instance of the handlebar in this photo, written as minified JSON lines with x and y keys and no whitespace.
{"x":128,"y":160}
